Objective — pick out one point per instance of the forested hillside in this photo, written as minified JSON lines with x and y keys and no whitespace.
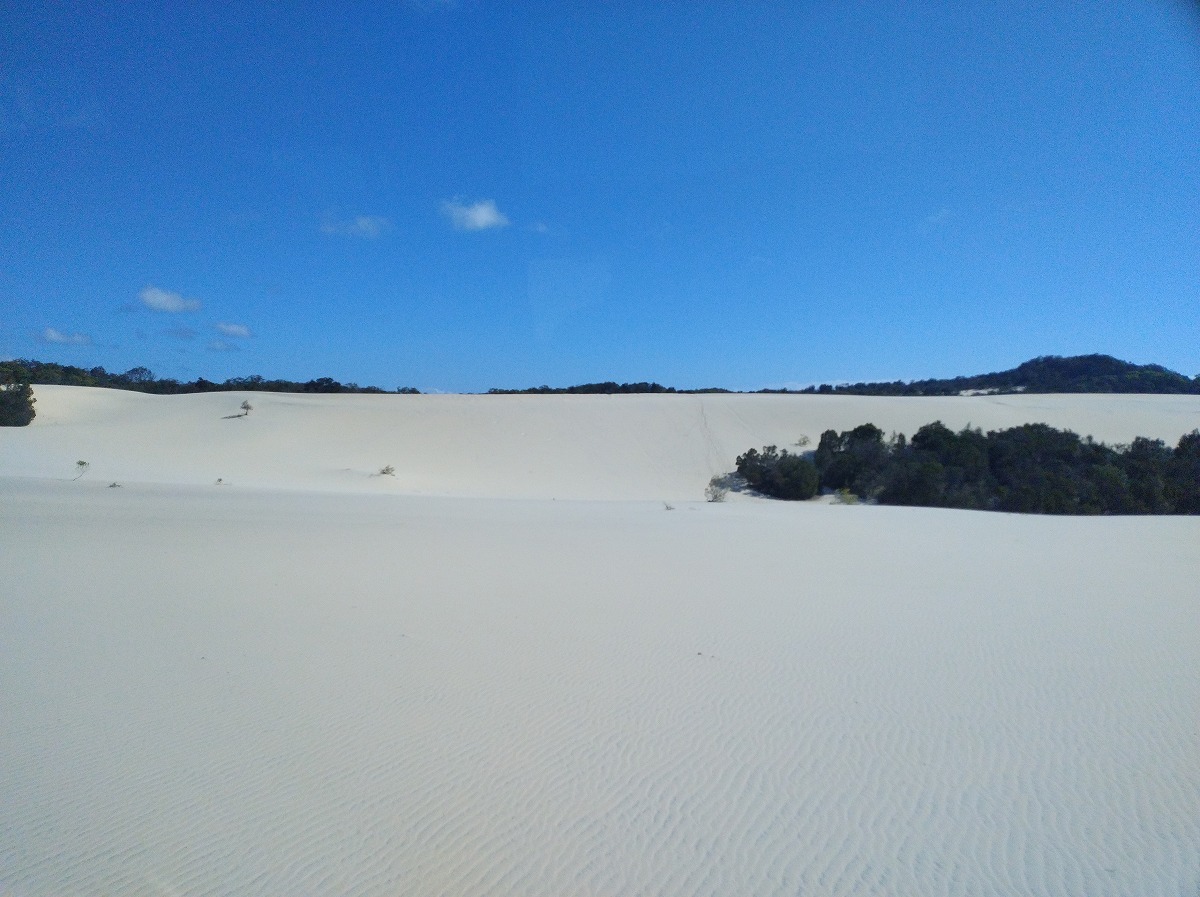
{"x":1049,"y":373}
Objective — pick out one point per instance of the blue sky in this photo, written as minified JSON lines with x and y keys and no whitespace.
{"x":457,"y":196}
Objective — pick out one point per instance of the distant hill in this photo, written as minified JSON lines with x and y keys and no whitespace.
{"x":1047,"y":374}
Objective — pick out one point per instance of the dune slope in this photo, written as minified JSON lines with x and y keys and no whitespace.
{"x":289,"y":685}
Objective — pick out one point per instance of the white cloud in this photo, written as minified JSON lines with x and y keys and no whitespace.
{"x":238,"y":330}
{"x":369,"y":226}
{"x":220,"y":345}
{"x":182,"y":333}
{"x":50,"y":335}
{"x":481,"y":215}
{"x":163,"y":300}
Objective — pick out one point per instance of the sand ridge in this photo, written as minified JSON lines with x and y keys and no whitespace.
{"x":620,"y":447}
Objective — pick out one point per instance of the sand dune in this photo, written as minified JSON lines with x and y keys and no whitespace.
{"x":293,"y":686}
{"x":590,"y":447}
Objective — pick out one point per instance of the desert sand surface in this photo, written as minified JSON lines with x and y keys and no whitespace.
{"x":510,"y":669}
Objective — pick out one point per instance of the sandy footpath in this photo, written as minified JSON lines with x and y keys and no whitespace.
{"x":476,"y":677}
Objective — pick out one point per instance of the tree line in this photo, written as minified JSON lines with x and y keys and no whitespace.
{"x":140,"y":379}
{"x":17,"y":401}
{"x":1047,"y":374}
{"x":607,"y":388}
{"x":1033,"y":468}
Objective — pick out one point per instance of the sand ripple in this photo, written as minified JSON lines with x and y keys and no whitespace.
{"x":360,"y":696}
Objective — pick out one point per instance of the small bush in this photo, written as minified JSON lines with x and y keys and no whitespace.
{"x":387,"y":471}
{"x":844,"y":497}
{"x":16,"y":405}
{"x":82,"y":467}
{"x":716,"y":490}
{"x":246,"y":408}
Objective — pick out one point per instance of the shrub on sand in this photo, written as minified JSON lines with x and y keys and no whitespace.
{"x":16,"y":405}
{"x":716,"y":490}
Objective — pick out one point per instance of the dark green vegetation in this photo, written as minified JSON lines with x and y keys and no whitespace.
{"x":1050,"y":373}
{"x":779,"y":474}
{"x":142,"y":380}
{"x":1033,"y":468}
{"x":16,"y":404}
{"x":607,"y":388}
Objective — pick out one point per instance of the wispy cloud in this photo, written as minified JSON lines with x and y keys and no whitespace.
{"x":50,"y":335}
{"x":221,"y":345}
{"x":240,"y":331}
{"x":369,"y":226}
{"x":164,"y":300}
{"x":941,"y":216}
{"x":481,"y":215}
{"x":181,"y":333}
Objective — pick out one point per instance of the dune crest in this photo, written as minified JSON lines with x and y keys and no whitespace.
{"x":623,"y":447}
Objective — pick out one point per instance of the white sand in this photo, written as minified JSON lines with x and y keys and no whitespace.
{"x":589,"y":447}
{"x":289,"y":685}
